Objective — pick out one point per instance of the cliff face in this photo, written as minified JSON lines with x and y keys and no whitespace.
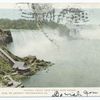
{"x":5,"y":37}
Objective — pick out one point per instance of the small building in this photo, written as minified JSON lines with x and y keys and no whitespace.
{"x":21,"y":67}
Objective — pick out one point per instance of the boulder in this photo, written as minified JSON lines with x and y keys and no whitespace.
{"x":10,"y":83}
{"x":8,"y":37}
{"x":30,"y":59}
{"x":5,"y":37}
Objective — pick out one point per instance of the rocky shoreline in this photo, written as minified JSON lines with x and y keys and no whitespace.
{"x":17,"y":75}
{"x":11,"y":76}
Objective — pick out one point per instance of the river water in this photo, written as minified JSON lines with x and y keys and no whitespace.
{"x":77,"y":62}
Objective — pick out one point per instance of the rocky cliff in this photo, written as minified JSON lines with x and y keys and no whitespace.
{"x":5,"y":37}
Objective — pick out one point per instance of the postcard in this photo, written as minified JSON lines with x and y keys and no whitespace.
{"x":49,"y":49}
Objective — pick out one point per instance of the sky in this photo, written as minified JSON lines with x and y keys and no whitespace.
{"x":7,"y":5}
{"x":11,"y":10}
{"x":12,"y":6}
{"x":56,"y":5}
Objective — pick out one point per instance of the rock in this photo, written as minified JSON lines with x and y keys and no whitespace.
{"x":5,"y":37}
{"x":10,"y":83}
{"x":8,"y":36}
{"x":42,"y":64}
{"x":22,"y":86}
{"x":30,"y":59}
{"x":37,"y":61}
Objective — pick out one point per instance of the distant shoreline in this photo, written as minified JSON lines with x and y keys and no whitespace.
{"x":23,"y":24}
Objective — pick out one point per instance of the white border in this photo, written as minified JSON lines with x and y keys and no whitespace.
{"x":49,"y":1}
{"x":52,"y":1}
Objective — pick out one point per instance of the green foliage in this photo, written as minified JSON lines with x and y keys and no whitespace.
{"x":24,"y":24}
{"x":17,"y":24}
{"x":51,"y":24}
{"x":5,"y":67}
{"x":19,"y":77}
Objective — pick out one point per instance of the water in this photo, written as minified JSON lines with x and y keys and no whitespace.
{"x":10,"y":14}
{"x":77,"y":62}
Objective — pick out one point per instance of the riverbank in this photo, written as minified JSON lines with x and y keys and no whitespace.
{"x":17,"y":75}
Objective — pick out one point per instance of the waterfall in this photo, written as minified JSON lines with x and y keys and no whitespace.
{"x":33,"y":42}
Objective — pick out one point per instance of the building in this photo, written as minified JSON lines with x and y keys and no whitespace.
{"x":19,"y":66}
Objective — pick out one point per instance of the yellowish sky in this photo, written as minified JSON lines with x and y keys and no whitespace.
{"x":7,"y":5}
{"x":56,"y":5}
{"x":81,"y":5}
{"x":11,"y":6}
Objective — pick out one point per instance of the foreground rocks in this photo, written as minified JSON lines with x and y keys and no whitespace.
{"x":16,"y":75}
{"x":36,"y":64}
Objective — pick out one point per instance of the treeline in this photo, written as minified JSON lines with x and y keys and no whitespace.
{"x":17,"y":24}
{"x":23,"y":24}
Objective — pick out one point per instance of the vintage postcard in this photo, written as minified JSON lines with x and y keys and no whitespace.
{"x":49,"y":49}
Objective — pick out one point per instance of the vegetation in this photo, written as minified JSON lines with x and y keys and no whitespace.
{"x":23,"y":24}
{"x":5,"y":67}
{"x":19,"y":77}
{"x":17,"y":24}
